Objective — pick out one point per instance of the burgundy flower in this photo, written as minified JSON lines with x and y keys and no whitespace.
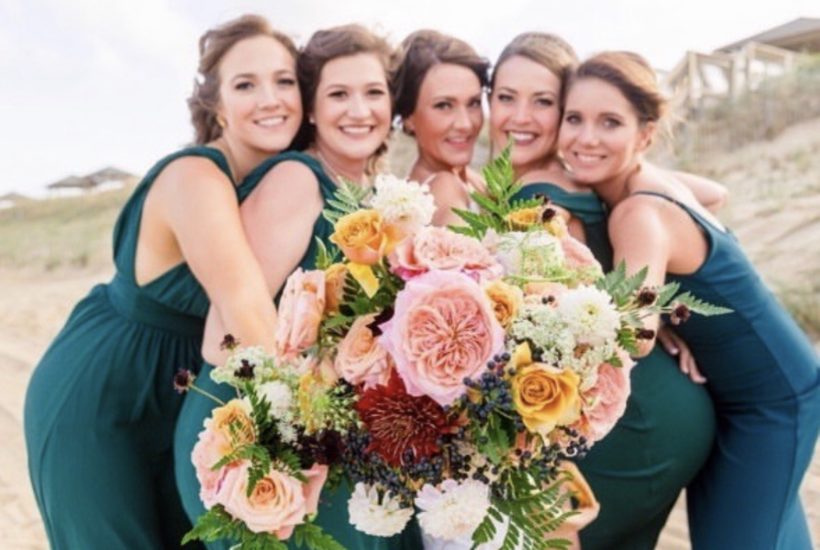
{"x":645,"y":334}
{"x":647,"y":297}
{"x":229,"y":343}
{"x":680,"y":314}
{"x":183,"y":380}
{"x":402,"y":428}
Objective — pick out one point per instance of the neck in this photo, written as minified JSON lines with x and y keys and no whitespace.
{"x":617,"y":188}
{"x":241,"y":158}
{"x":543,"y":164}
{"x":340,"y":167}
{"x":426,"y":166}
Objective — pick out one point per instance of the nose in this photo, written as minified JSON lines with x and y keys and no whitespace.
{"x":587,"y":135}
{"x":462,"y":120}
{"x":521,"y":115}
{"x":357,"y":108}
{"x":268,"y":97}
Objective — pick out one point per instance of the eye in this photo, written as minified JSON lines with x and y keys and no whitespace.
{"x":544,"y":102}
{"x":442,"y":105}
{"x":286,"y":82}
{"x":243,"y":85}
{"x":504,"y":98}
{"x":611,"y":123}
{"x":338,"y":94}
{"x":376,"y":92}
{"x":475,"y":103}
{"x":572,"y":118}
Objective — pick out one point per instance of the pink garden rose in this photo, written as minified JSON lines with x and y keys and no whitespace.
{"x":442,"y":331}
{"x":439,"y":248}
{"x":300,"y":312}
{"x":360,"y":359}
{"x":606,"y":399}
{"x":278,"y":502}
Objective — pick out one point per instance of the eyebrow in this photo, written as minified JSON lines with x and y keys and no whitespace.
{"x":253,"y":75}
{"x":514,"y":91}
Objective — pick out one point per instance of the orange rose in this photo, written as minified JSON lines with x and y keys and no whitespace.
{"x":232,"y":421}
{"x":543,"y":395}
{"x":364,"y":237}
{"x":506,"y":300}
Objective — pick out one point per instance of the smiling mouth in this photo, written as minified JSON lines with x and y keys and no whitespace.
{"x":356,"y":130}
{"x":459,"y":141}
{"x":521,"y":138}
{"x":270,"y":122}
{"x":587,"y":159}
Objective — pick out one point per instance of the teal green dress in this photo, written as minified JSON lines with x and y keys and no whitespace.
{"x":764,"y":378}
{"x":664,"y":437}
{"x":100,"y":408}
{"x":333,"y":515}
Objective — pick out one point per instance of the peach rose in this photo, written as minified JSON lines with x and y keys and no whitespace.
{"x":364,"y":237}
{"x":229,"y":427}
{"x":278,"y":502}
{"x":524,"y":218}
{"x":587,"y":505}
{"x":360,"y":359}
{"x":506,"y":300}
{"x":443,"y":330}
{"x":300,"y":312}
{"x":442,"y":249}
{"x":607,"y":399}
{"x":334,"y":287}
{"x":543,"y":395}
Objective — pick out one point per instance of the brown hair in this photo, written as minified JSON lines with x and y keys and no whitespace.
{"x":213,"y":45}
{"x":632,"y":75}
{"x":549,"y":50}
{"x":423,"y":49}
{"x":327,"y":45}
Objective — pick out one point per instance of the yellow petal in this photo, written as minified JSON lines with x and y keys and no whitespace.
{"x":365,"y":277}
{"x":521,"y":356}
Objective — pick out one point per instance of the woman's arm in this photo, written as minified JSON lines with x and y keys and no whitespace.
{"x":711,"y":194}
{"x":198,"y":203}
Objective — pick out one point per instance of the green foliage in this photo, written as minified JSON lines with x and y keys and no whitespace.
{"x":324,"y":257}
{"x":258,"y":457}
{"x":313,"y":537}
{"x":348,"y":198}
{"x":497,"y":203}
{"x":621,"y":286}
{"x":498,"y":436}
{"x":217,"y":524}
{"x":699,"y":306}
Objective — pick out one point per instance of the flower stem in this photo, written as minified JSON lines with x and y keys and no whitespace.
{"x":209,"y":395}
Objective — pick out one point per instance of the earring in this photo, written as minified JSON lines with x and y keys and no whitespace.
{"x":221,"y":121}
{"x":312,"y":120}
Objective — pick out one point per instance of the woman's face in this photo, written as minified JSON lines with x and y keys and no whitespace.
{"x":259,"y":95}
{"x":448,"y":116}
{"x":352,"y":109}
{"x":601,"y":137}
{"x":524,"y":109}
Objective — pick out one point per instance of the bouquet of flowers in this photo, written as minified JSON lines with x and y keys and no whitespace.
{"x":456,"y":370}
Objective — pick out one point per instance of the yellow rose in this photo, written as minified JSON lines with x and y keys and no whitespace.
{"x":364,"y":237}
{"x":232,"y":421}
{"x":506,"y":300}
{"x":334,"y":287}
{"x":543,"y":395}
{"x":524,"y":218}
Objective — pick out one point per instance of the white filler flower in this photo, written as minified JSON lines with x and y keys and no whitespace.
{"x":383,"y":519}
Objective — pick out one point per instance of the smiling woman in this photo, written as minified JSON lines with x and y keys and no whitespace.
{"x":100,"y":407}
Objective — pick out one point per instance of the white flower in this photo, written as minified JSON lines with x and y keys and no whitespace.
{"x":531,"y":254}
{"x":279,"y":396}
{"x":407,"y":204}
{"x":590,"y":315}
{"x":383,"y":519}
{"x":454,"y":510}
{"x":287,"y":432}
{"x":255,"y":356}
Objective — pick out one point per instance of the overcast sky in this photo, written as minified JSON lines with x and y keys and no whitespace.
{"x":90,"y":83}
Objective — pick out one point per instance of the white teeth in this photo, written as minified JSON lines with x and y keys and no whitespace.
{"x":356,"y":130}
{"x":458,"y":140}
{"x":271,"y":121}
{"x":522,"y":136}
{"x":588,"y":158}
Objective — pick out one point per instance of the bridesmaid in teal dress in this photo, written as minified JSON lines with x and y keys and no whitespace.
{"x":439,"y":86}
{"x":761,"y":370}
{"x":344,"y":82}
{"x":100,"y":408}
{"x":638,"y":470}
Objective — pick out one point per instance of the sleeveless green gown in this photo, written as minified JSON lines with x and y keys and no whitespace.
{"x":333,"y":516}
{"x":764,"y":378}
{"x":100,"y":408}
{"x":664,"y":437}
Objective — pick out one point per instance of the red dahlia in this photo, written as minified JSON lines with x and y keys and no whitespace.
{"x":402,"y":428}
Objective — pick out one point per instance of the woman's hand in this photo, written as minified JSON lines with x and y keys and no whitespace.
{"x":675,"y":345}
